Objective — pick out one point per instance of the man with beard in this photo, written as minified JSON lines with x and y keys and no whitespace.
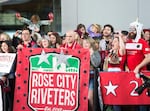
{"x":105,"y":42}
{"x":104,"y":47}
{"x":138,"y":52}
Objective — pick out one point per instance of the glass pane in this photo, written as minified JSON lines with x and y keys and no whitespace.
{"x":27,"y":8}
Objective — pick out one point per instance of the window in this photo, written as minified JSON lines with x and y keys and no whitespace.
{"x":27,"y":8}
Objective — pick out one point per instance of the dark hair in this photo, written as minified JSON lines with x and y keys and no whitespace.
{"x":26,"y":28}
{"x":58,"y":38}
{"x":124,"y":32}
{"x":80,"y":26}
{"x":11,"y":49}
{"x":110,"y":26}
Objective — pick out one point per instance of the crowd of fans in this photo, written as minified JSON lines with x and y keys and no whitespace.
{"x":109,"y":51}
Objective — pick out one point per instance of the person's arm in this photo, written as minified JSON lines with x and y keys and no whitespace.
{"x":16,"y":38}
{"x":22,"y":19}
{"x":122,"y":48}
{"x":25,"y":20}
{"x":90,"y":32}
{"x":45,"y":22}
{"x":145,"y":61}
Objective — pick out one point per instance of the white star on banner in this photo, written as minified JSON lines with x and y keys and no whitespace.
{"x":43,"y":58}
{"x":111,"y":88}
{"x":62,"y":58}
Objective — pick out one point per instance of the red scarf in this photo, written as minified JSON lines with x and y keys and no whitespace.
{"x":73,"y":45}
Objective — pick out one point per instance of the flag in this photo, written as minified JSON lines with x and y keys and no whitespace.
{"x":118,"y":88}
{"x":52,"y":79}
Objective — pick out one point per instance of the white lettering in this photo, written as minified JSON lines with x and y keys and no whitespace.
{"x":53,"y":96}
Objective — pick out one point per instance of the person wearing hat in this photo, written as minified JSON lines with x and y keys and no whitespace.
{"x":137,"y":48}
{"x":138,"y":51}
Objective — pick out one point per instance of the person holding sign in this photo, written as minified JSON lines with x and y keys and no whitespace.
{"x":7,"y":80}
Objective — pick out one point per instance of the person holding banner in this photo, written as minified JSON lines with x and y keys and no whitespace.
{"x":95,"y":59}
{"x":138,"y":51}
{"x":7,"y":80}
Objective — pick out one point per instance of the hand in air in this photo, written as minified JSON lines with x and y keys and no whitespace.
{"x":51,"y":16}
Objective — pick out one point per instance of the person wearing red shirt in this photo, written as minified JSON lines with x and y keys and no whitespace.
{"x":70,"y":42}
{"x":118,"y":49}
{"x":115,"y":60}
{"x":138,"y":52}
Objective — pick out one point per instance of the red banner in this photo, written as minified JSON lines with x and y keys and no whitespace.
{"x":118,"y":88}
{"x":52,"y":80}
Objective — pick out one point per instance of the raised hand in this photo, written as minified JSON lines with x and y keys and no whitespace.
{"x":51,"y":16}
{"x":18,"y":15}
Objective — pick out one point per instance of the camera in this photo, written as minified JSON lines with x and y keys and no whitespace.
{"x":116,"y":33}
{"x":19,"y":31}
{"x":145,"y":85}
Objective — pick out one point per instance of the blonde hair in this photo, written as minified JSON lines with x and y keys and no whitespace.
{"x":35,"y":18}
{"x":92,"y":42}
{"x":98,"y":27}
{"x":5,"y":36}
